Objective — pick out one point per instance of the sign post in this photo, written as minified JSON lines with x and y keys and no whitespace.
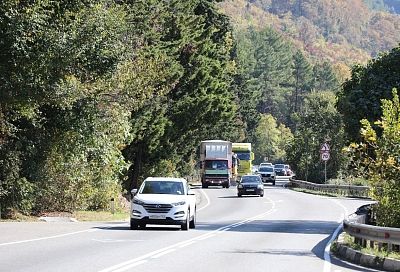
{"x":325,"y":154}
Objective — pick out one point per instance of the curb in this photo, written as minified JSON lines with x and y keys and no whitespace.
{"x":363,"y":259}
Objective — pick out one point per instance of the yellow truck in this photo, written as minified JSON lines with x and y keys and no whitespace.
{"x":245,"y":156}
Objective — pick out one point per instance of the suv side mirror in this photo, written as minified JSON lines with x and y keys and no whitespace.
{"x":133,"y":193}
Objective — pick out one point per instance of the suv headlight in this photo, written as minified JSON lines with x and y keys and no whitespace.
{"x":180,"y":203}
{"x":260,"y":186}
{"x":138,"y":202}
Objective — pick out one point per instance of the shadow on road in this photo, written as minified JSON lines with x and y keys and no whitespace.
{"x":276,"y":226}
{"x":264,"y":226}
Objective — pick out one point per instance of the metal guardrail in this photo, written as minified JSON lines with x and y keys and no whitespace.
{"x":346,"y":190}
{"x":376,"y":236}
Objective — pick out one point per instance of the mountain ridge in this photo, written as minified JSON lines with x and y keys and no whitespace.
{"x":344,"y":32}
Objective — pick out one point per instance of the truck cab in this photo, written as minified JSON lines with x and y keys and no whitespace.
{"x":216,"y":163}
{"x":245,"y":156}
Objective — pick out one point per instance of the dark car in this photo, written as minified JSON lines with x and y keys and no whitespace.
{"x":250,"y":185}
{"x":280,"y":170}
{"x":267,"y":174}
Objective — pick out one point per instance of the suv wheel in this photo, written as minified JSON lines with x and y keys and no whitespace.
{"x":134,"y":225}
{"x":185,"y":226}
{"x":192,"y":223}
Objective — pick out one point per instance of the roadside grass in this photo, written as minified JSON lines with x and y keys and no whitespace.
{"x":19,"y":217}
{"x":100,"y":215}
{"x":78,"y":215}
{"x":349,"y":241}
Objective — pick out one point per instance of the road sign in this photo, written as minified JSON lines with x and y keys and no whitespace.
{"x":325,"y":148}
{"x":325,"y":156}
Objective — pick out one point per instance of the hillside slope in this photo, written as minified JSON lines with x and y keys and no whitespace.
{"x":346,"y":32}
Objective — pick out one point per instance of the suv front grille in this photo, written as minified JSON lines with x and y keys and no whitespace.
{"x":157,"y":208}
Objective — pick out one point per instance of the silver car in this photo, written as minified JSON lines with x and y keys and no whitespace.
{"x":267,"y":174}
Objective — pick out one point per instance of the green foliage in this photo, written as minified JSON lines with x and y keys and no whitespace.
{"x":266,"y":60}
{"x":271,"y":140}
{"x":71,"y":79}
{"x":376,"y":157}
{"x":318,"y":123}
{"x":200,"y":103}
{"x":361,"y":95}
{"x":302,"y":74}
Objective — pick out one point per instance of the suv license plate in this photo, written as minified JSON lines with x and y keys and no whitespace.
{"x":157,"y":216}
{"x":250,"y":190}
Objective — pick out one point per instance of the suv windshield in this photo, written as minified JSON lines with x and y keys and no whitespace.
{"x":279,"y":166}
{"x":266,"y":169}
{"x":162,"y":187}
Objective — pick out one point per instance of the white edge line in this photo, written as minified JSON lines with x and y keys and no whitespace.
{"x":163,"y":253}
{"x":131,"y":265}
{"x":207,"y":198}
{"x":45,"y":238}
{"x":187,"y":244}
{"x":327,"y":256}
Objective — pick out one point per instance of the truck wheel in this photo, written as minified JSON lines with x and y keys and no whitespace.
{"x":227,"y":185}
{"x":204,"y":186}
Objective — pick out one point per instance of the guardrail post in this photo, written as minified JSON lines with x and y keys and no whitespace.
{"x":389,"y":247}
{"x":371,"y":244}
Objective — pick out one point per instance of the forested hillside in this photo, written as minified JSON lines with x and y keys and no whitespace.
{"x":340,"y":31}
{"x":392,"y":6}
{"x":96,"y":95}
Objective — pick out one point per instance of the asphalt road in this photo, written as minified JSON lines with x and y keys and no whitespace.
{"x":282,"y":231}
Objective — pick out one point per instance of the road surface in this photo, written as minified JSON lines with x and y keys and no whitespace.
{"x":282,"y":231}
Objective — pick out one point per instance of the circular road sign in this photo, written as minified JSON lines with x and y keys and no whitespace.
{"x":325,"y":156}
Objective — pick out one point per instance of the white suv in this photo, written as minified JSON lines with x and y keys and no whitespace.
{"x":163,"y":201}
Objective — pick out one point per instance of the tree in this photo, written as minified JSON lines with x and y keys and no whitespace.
{"x":270,"y":140}
{"x":362,"y":94}
{"x":200,"y":104}
{"x":302,"y":73}
{"x":377,"y":156}
{"x":325,"y":78}
{"x":318,"y":123}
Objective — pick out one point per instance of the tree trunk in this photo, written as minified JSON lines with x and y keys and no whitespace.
{"x":137,"y":167}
